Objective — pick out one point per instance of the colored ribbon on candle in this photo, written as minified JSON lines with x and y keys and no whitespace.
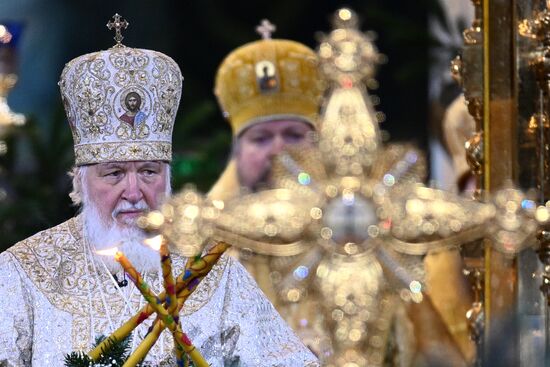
{"x":186,"y":283}
{"x":169,"y":286}
{"x":195,"y":271}
{"x":179,"y":336}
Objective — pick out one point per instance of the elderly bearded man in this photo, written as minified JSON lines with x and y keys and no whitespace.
{"x":57,"y":294}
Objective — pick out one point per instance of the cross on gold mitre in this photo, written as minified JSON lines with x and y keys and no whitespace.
{"x":118,"y":23}
{"x":265,"y":29}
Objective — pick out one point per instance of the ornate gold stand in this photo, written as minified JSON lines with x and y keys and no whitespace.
{"x":511,"y":73}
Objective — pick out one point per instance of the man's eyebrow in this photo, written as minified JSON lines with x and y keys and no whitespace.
{"x":149,"y":164}
{"x":295,"y":129}
{"x":110,"y":165}
{"x":259,"y":132}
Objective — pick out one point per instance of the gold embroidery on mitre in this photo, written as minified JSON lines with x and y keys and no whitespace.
{"x":119,"y":98}
{"x":269,"y":78}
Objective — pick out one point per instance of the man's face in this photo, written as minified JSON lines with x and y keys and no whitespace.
{"x":132,"y":103}
{"x":259,"y":143}
{"x":122,"y":191}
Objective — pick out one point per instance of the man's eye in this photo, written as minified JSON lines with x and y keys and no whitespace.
{"x":113,"y":174}
{"x":260,"y":139}
{"x":294,"y":137}
{"x":149,"y":172}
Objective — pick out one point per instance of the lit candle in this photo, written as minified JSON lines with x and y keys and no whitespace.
{"x":137,"y":279}
{"x":179,"y":336}
{"x":123,"y":331}
{"x":155,"y":303}
{"x":181,"y":286}
{"x":160,"y":244}
{"x":187,"y":282}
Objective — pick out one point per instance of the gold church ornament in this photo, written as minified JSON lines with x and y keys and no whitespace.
{"x":538,"y":30}
{"x":351,"y":218}
{"x":512,"y":146}
{"x":347,"y":55}
{"x":348,"y":60}
{"x":467,"y":71}
{"x":318,"y":195}
{"x":474,"y":153}
{"x":472,"y":65}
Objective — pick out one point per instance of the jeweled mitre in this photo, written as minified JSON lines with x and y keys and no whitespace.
{"x":121,"y":104}
{"x":269,"y":80}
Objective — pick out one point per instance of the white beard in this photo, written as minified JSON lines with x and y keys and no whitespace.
{"x":128,"y":239}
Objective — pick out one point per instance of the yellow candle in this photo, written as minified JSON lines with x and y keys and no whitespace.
{"x":145,"y":345}
{"x":131,"y":324}
{"x":119,"y":334}
{"x":169,"y":285}
{"x":171,"y":298}
{"x":146,"y":311}
{"x":195,"y":271}
{"x":179,"y":336}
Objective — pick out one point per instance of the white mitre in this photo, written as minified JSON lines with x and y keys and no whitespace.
{"x":96,"y":89}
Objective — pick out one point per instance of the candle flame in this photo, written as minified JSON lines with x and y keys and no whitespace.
{"x":218,"y":204}
{"x":108,"y":252}
{"x":154,"y":242}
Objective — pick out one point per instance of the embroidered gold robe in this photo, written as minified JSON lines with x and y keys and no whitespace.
{"x":55,"y":298}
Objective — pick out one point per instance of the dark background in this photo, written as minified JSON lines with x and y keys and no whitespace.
{"x":198,"y":35}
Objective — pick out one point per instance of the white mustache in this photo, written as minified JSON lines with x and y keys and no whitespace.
{"x":125,"y":205}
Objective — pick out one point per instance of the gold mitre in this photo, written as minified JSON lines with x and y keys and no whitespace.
{"x":121,"y":103}
{"x":269,"y":79}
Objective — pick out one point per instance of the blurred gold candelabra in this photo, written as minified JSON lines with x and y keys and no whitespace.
{"x":468,"y":71}
{"x":351,"y":214}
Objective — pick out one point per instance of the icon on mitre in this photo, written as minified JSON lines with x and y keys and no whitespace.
{"x":266,"y":76}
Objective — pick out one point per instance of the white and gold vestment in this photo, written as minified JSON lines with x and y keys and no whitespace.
{"x":56,"y":297}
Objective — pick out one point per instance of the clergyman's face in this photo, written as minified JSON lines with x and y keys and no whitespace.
{"x":122,"y":191}
{"x":258,"y":144}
